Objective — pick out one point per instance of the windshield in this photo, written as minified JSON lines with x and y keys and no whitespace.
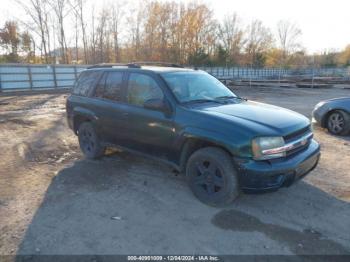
{"x":195,"y":86}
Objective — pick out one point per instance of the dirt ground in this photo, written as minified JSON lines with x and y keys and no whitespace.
{"x":53,"y":201}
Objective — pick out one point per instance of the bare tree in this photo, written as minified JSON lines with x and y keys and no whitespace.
{"x":37,"y":11}
{"x":59,"y":7}
{"x":117,"y":15}
{"x":151,"y":28}
{"x":288,"y":37}
{"x":78,"y":7}
{"x":135,"y":20}
{"x":259,"y":40}
{"x":102,"y":33}
{"x":232,"y":36}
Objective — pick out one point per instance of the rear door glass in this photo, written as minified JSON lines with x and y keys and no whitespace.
{"x":113,"y":86}
{"x":85,"y":82}
{"x":99,"y":90}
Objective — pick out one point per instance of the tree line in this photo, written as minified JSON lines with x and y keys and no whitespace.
{"x":74,"y":31}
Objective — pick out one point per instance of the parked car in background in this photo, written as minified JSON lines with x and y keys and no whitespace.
{"x":333,"y":114}
{"x":190,"y":120}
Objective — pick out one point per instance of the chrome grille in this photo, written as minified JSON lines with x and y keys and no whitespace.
{"x":297,"y":134}
{"x":298,"y":140}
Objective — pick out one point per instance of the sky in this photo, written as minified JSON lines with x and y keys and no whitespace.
{"x":325,"y":24}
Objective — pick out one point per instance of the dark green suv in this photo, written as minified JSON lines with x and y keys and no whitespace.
{"x":189,"y":119}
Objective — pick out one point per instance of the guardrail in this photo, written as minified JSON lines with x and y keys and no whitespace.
{"x":36,"y":77}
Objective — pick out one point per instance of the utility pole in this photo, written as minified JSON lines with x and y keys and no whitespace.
{"x":313,"y":71}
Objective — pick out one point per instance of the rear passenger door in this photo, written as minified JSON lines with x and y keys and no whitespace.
{"x":110,"y":110}
{"x":149,"y":131}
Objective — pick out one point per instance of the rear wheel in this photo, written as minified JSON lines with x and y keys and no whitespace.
{"x":212,"y":176}
{"x":338,"y":122}
{"x":89,"y":143}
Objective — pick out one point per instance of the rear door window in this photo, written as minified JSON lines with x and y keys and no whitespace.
{"x":85,"y":82}
{"x":99,"y":90}
{"x":113,"y":86}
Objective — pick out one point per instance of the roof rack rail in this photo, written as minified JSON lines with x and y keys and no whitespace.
{"x":136,"y":64}
{"x":111,"y":65}
{"x":152,"y":63}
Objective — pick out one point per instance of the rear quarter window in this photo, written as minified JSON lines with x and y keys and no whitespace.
{"x":86,"y":82}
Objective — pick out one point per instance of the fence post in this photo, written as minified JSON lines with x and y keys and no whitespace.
{"x":54,"y":75}
{"x":0,"y":81}
{"x":279,"y":76}
{"x":75,"y":72}
{"x":30,"y":76}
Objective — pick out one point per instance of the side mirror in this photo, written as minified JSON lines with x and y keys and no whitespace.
{"x":157,"y":104}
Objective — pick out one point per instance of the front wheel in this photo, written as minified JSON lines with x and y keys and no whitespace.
{"x":89,"y":142}
{"x":212,"y":176}
{"x":338,"y":123}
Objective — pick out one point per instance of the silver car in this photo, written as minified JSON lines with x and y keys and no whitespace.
{"x":333,"y":114}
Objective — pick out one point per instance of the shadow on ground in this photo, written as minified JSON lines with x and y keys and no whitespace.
{"x":126,"y":205}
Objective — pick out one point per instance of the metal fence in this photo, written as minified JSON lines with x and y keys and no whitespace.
{"x":36,"y":77}
{"x":273,"y":73}
{"x":33,"y":77}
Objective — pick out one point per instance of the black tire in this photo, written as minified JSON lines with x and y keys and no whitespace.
{"x":89,"y":143}
{"x":338,"y":122}
{"x":212,"y":176}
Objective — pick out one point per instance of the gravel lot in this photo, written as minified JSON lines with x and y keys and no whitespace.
{"x":52,"y":201}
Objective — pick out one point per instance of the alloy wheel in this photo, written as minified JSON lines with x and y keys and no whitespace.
{"x":336,"y":123}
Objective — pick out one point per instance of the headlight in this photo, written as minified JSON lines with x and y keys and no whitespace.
{"x":268,"y":147}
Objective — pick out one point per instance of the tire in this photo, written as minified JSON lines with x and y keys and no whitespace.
{"x":89,"y":142}
{"x":338,"y":122}
{"x":212,"y":177}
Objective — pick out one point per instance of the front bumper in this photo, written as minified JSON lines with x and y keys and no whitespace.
{"x":257,"y":176}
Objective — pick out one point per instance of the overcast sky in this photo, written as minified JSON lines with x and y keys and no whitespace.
{"x":325,"y":23}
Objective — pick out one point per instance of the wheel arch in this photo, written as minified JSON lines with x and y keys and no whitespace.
{"x":193,"y":144}
{"x":78,"y":120}
{"x":81,"y":115}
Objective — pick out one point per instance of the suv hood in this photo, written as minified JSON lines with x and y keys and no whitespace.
{"x":277,"y":119}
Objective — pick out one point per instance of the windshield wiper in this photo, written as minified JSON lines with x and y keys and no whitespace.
{"x":202,"y":101}
{"x":228,"y":97}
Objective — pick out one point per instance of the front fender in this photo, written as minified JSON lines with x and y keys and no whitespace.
{"x":237,"y":144}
